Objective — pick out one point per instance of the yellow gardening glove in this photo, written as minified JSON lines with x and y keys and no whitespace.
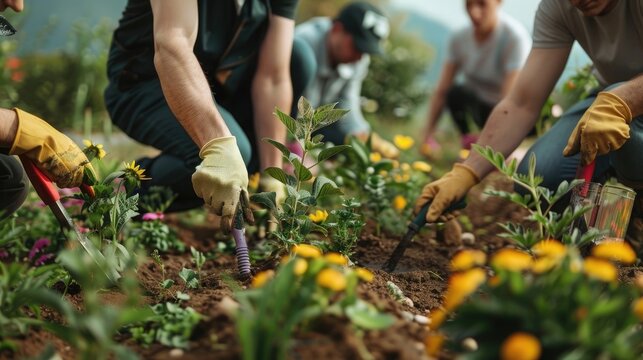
{"x":445,"y":191}
{"x":269,"y":184}
{"x":222,"y":180}
{"x":603,"y":128}
{"x":50,"y":150}
{"x":387,"y":149}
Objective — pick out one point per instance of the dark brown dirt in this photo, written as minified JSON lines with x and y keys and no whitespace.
{"x":421,"y":275}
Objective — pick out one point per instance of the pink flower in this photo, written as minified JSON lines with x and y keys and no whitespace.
{"x":3,"y":254}
{"x":153,"y":216}
{"x":82,"y":229}
{"x":38,"y":246}
{"x":42,"y":260}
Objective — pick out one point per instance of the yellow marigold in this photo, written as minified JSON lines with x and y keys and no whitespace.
{"x":399,"y":203}
{"x":395,"y":163}
{"x":301,"y":266}
{"x":253,"y":181}
{"x":544,"y":264}
{"x":616,"y":250}
{"x":260,"y":279}
{"x":461,"y":285}
{"x":307,"y":251}
{"x":511,"y":259}
{"x":318,"y":216}
{"x":405,"y":167}
{"x":401,"y":178}
{"x":437,"y":317}
{"x":550,"y":248}
{"x":364,"y":274}
{"x":375,"y":157}
{"x":637,"y":307}
{"x":336,"y":258}
{"x":421,"y":166}
{"x":466,"y":259}
{"x":600,"y":269}
{"x":463,"y":154}
{"x":520,"y":346}
{"x":383,"y":173}
{"x":95,"y":149}
{"x":403,"y":142}
{"x":433,"y":343}
{"x":331,"y":279}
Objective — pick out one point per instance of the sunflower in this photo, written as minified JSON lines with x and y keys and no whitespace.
{"x":92,"y":150}
{"x":134,"y":171}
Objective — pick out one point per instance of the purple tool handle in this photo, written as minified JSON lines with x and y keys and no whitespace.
{"x":243,"y":258}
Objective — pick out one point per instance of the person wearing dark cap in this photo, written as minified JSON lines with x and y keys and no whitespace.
{"x":339,"y":57}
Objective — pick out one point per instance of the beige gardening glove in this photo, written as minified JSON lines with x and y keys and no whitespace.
{"x":222,"y":180}
{"x":445,"y":191}
{"x":50,"y":150}
{"x":269,"y":184}
{"x":603,"y":128}
{"x":384,"y":147}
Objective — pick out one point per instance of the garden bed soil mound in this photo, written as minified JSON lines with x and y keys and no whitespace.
{"x":421,"y":275}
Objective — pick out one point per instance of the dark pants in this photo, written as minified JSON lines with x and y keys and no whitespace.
{"x":143,"y":114}
{"x":14,"y":185}
{"x":467,"y":108}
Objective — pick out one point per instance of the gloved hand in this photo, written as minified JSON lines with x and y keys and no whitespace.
{"x":603,"y":128}
{"x":443,"y":192}
{"x":387,"y":149}
{"x":222,"y":180}
{"x":431,"y":148}
{"x":269,"y":184}
{"x":50,"y":150}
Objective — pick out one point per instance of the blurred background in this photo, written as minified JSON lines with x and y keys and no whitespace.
{"x":55,"y":65}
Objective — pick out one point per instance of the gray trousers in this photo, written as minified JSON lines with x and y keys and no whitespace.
{"x":14,"y":185}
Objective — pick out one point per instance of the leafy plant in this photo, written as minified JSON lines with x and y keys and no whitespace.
{"x":538,"y":200}
{"x":555,"y":304}
{"x":292,"y":217}
{"x":345,"y":227}
{"x":171,"y":325}
{"x":304,"y":288}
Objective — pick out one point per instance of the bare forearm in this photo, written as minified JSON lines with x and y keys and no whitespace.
{"x":8,"y":127}
{"x":266,"y":95}
{"x":435,"y":109}
{"x":632,"y":93}
{"x":505,"y":129}
{"x":188,"y":93}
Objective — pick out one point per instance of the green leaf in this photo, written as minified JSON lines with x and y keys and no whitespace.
{"x":288,"y":121}
{"x":332,"y":151}
{"x":277,"y":174}
{"x":267,"y":199}
{"x":304,"y":108}
{"x":367,"y":317}
{"x":284,"y":150}
{"x":323,"y":186}
{"x":301,"y":172}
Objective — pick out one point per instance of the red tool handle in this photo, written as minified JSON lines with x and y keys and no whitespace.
{"x":586,"y":173}
{"x":44,"y":186}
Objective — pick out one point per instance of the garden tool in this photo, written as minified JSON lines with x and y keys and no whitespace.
{"x":239,"y":234}
{"x":5,"y":27}
{"x":583,"y":195}
{"x":413,"y":228}
{"x":50,"y":196}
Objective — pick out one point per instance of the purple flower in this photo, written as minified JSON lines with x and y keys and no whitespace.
{"x":153,"y":216}
{"x":38,"y":246}
{"x":43,"y":259}
{"x":3,"y":254}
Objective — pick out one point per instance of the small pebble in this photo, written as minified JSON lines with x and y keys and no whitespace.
{"x":468,"y":238}
{"x":407,"y":301}
{"x":175,"y":353}
{"x":407,"y":316}
{"x":421,"y":319}
{"x":228,"y":306}
{"x":470,"y":344}
{"x":420,"y":347}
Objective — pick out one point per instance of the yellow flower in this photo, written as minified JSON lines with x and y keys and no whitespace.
{"x":318,"y":216}
{"x":511,"y":259}
{"x":403,"y":142}
{"x":253,"y":181}
{"x":637,"y":307}
{"x":433,"y":343}
{"x":466,"y":259}
{"x":405,"y":167}
{"x":135,"y":170}
{"x":494,"y":281}
{"x":600,"y":269}
{"x":520,"y":346}
{"x":544,"y":264}
{"x":549,"y":248}
{"x":395,"y":163}
{"x":307,"y":251}
{"x":421,"y":166}
{"x":401,"y":178}
{"x":260,"y":279}
{"x":399,"y":203}
{"x":364,"y":274}
{"x":336,"y":258}
{"x":463,"y":154}
{"x":437,"y":317}
{"x":301,"y":266}
{"x":461,"y":285}
{"x":615,"y":250}
{"x":331,"y":279}
{"x":375,"y":157}
{"x":95,"y":149}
